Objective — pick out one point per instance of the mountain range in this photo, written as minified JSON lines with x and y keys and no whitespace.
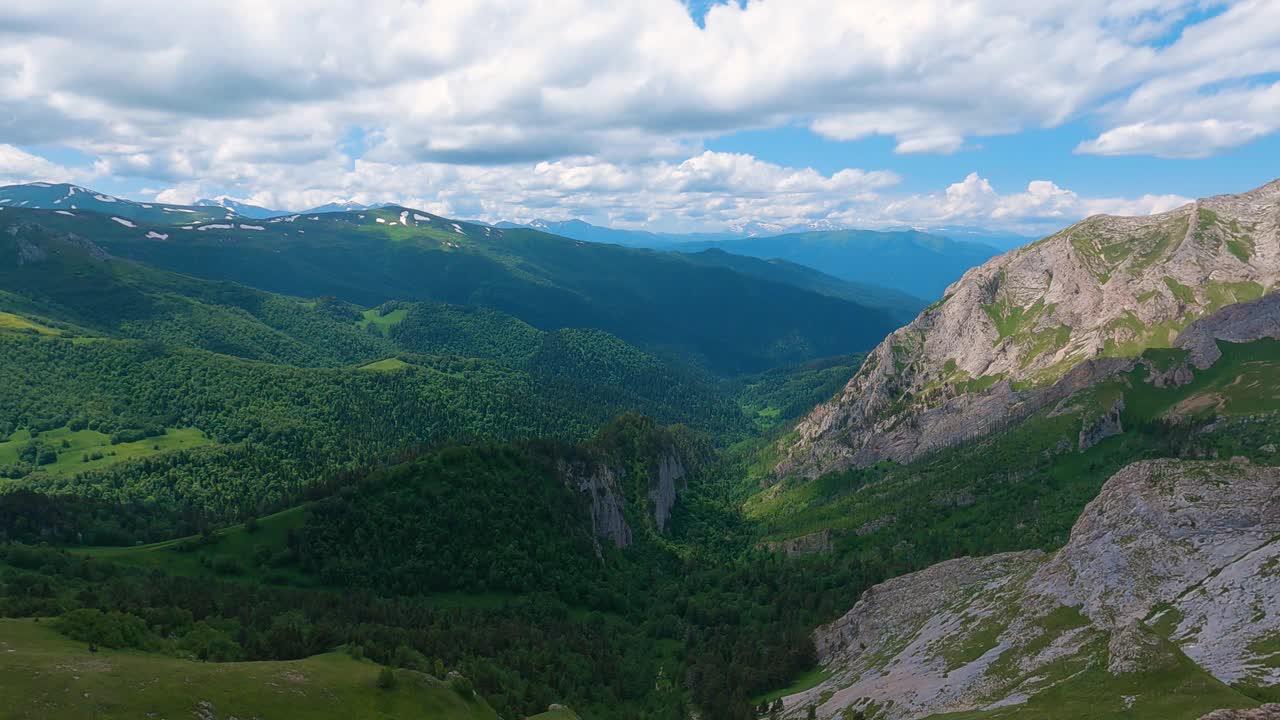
{"x":917,"y":263}
{"x":405,"y":462}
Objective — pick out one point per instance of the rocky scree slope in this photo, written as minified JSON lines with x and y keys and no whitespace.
{"x":1060,"y":310}
{"x":1173,"y":560}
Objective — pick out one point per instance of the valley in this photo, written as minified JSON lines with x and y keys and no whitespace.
{"x":381,"y":463}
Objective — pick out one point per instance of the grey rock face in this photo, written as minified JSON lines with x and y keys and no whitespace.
{"x":1102,"y":427}
{"x":1266,"y":712}
{"x":1191,"y":548}
{"x":1234,"y":323}
{"x":666,"y":486}
{"x":600,"y":484}
{"x":1106,"y":287}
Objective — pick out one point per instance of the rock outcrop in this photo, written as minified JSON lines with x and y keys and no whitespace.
{"x":1102,"y":290}
{"x":1236,"y":323}
{"x":599,"y":483}
{"x":669,"y":481}
{"x":602,"y":481}
{"x":1172,"y":558}
{"x":1266,"y":712}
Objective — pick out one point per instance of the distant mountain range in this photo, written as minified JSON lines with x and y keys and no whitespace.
{"x":583,"y":230}
{"x":68,"y":197}
{"x":260,"y":213}
{"x":729,"y":315}
{"x":240,"y":208}
{"x":909,"y":261}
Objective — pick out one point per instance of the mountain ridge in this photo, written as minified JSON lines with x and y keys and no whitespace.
{"x":1168,"y":549}
{"x":1107,"y":287}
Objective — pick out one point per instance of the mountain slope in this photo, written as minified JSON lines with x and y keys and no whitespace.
{"x":70,"y":199}
{"x":663,"y":302}
{"x":901,"y":306}
{"x":1160,"y":599}
{"x":43,"y":674}
{"x":910,"y":261}
{"x":1055,"y":314}
{"x":243,"y":209}
{"x":917,"y":263}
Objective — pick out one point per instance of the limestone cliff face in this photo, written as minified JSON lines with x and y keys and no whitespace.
{"x":1103,"y":289}
{"x":599,"y":484}
{"x":602,"y":484}
{"x":669,"y":480}
{"x":1172,"y":557}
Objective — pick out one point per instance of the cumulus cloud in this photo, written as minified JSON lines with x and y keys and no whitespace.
{"x":450,"y":82}
{"x":1043,"y":206}
{"x":505,"y":108}
{"x":19,"y":166}
{"x":1212,"y":90}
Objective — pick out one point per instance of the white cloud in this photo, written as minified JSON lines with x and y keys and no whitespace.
{"x":19,"y":166}
{"x":1212,"y":90}
{"x":186,"y":90}
{"x":1042,"y":207}
{"x":509,"y":109}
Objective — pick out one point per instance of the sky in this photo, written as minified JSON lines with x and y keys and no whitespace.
{"x":677,"y":116}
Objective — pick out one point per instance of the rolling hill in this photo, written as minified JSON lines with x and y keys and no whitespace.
{"x":665,"y":303}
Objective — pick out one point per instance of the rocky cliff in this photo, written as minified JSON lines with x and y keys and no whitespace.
{"x":1061,"y":310}
{"x":1172,"y":572}
{"x":601,"y":482}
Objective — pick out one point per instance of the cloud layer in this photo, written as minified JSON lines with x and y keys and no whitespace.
{"x":505,"y":108}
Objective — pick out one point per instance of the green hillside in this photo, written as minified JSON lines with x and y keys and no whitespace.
{"x":663,"y":302}
{"x":44,"y":674}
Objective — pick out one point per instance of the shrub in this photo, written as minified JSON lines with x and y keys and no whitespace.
{"x":386,"y":678}
{"x":113,"y":629}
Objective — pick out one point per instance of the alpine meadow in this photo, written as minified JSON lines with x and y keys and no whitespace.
{"x":643,"y":360}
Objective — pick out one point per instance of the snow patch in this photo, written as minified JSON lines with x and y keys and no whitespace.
{"x":41,"y":185}
{"x":104,"y":198}
{"x":123,"y":222}
{"x":421,"y":218}
{"x":458,"y":229}
{"x":251,"y":227}
{"x":153,"y":235}
{"x":216,"y":227}
{"x":64,"y":212}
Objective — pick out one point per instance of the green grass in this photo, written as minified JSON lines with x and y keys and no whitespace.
{"x":1181,"y":293}
{"x":383,"y":323}
{"x":562,"y":714}
{"x":14,"y":323}
{"x":234,"y":551}
{"x":1243,"y":381}
{"x":1011,"y":320}
{"x":1180,"y":691}
{"x":82,"y":443}
{"x":387,"y":365}
{"x":45,"y":675}
{"x":805,"y":681}
{"x":978,"y":639}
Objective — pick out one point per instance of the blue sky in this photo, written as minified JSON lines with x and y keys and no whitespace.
{"x":662,"y":114}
